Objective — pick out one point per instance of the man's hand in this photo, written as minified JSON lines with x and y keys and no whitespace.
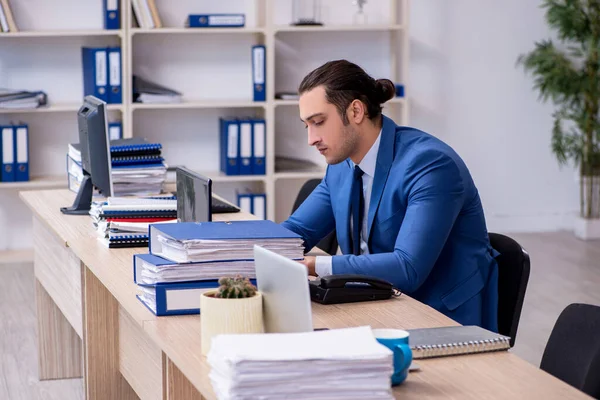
{"x":309,"y":263}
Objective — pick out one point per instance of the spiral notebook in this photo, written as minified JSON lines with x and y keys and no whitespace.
{"x":455,"y":340}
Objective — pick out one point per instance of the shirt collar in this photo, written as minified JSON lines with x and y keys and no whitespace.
{"x":369,"y":161}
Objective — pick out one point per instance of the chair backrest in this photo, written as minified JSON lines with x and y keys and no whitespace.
{"x":513,"y":276}
{"x":329,"y":243}
{"x":572,"y":353}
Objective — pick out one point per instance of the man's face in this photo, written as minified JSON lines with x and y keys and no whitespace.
{"x":326,"y":129}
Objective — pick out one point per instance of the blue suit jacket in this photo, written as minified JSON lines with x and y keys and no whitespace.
{"x":426,"y":227}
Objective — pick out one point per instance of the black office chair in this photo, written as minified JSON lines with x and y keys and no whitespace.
{"x":329,"y":243}
{"x":513,"y":276}
{"x":572,"y":353}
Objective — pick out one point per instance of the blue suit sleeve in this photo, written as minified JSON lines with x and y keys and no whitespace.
{"x":434,"y":199}
{"x":314,"y":219}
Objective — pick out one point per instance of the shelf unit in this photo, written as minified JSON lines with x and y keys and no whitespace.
{"x":162,"y":54}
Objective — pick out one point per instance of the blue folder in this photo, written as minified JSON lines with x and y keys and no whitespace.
{"x":112,"y":14}
{"x":246,"y":143}
{"x":229,"y":141}
{"x":21,"y":145}
{"x":7,"y":153}
{"x":259,"y":147}
{"x":115,"y":130}
{"x":157,"y":261}
{"x":115,"y":95}
{"x":217,"y":230}
{"x":216,"y":20}
{"x":259,"y":74}
{"x":95,"y":72}
{"x":179,"y":298}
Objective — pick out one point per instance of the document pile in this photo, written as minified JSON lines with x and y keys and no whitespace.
{"x":336,"y":364}
{"x":188,"y":258}
{"x":223,"y":241}
{"x":124,"y":221}
{"x":18,"y":99}
{"x":149,"y":92}
{"x":138,"y":168}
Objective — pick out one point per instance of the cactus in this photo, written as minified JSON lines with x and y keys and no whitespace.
{"x":237,"y":287}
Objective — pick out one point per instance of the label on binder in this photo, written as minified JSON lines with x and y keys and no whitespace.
{"x":232,"y":139}
{"x":115,"y":68}
{"x":259,"y":140}
{"x":21,"y":145}
{"x":246,"y":143}
{"x":7,"y":146}
{"x":226,"y":20}
{"x":111,"y":5}
{"x":259,"y":62}
{"x":101,"y":70}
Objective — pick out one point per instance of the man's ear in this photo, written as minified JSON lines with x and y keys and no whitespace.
{"x":357,"y":111}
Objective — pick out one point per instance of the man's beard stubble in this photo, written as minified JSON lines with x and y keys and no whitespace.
{"x":348,"y":145}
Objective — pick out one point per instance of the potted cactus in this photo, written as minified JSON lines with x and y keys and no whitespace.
{"x":234,"y":307}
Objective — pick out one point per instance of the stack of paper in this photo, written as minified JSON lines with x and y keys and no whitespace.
{"x":222,"y":241}
{"x":335,"y":364}
{"x":124,"y":221}
{"x":138,"y":168}
{"x":16,"y":99}
{"x":149,"y":269}
{"x":188,"y":258}
{"x":145,"y":91}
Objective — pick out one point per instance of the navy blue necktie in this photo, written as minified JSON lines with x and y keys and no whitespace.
{"x":357,"y":208}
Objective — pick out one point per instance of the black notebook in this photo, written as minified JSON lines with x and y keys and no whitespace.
{"x":455,"y":340}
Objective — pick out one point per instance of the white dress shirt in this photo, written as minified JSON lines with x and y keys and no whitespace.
{"x":323,"y":264}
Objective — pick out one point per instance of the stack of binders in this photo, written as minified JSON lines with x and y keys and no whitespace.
{"x":253,"y":203}
{"x":188,"y":258}
{"x":14,"y":153}
{"x":124,"y":221}
{"x":243,"y":146}
{"x":102,"y":73}
{"x":138,"y":168}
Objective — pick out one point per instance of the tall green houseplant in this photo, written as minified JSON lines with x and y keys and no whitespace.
{"x":568,"y":73}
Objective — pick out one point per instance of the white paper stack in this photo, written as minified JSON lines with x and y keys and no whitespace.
{"x":334,"y":364}
{"x":188,"y":242}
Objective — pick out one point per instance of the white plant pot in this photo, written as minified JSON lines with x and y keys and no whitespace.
{"x":218,"y":316}
{"x":587,"y":229}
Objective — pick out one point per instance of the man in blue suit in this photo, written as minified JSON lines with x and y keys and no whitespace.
{"x":420,"y":225}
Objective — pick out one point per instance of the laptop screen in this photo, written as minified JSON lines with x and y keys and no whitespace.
{"x":194,"y":196}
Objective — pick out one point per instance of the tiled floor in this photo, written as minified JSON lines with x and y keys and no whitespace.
{"x":563,"y":270}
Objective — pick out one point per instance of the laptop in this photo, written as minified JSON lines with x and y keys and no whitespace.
{"x":286,"y":297}
{"x":195,"y":201}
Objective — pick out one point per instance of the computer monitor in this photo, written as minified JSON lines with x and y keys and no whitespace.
{"x":194,"y":196}
{"x":94,"y":143}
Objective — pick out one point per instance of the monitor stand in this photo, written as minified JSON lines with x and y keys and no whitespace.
{"x":83,"y":201}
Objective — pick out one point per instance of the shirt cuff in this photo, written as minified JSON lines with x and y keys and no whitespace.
{"x":323,"y":265}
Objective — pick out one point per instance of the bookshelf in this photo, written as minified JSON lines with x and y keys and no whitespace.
{"x":211,"y":67}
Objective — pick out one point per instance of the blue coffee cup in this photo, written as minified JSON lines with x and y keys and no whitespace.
{"x":397,"y":341}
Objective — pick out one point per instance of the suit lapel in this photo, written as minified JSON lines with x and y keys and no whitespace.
{"x":385,"y":158}
{"x":343,"y":229}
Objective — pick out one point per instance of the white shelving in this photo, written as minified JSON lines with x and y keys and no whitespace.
{"x":54,"y":108}
{"x":71,"y":33}
{"x":210,"y":66}
{"x":200,"y":104}
{"x":195,"y":31}
{"x":37,"y":183}
{"x":338,"y":28}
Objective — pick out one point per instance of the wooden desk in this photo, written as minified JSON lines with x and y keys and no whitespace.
{"x":90,"y":324}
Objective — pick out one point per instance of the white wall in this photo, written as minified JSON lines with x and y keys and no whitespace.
{"x":464,"y":88}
